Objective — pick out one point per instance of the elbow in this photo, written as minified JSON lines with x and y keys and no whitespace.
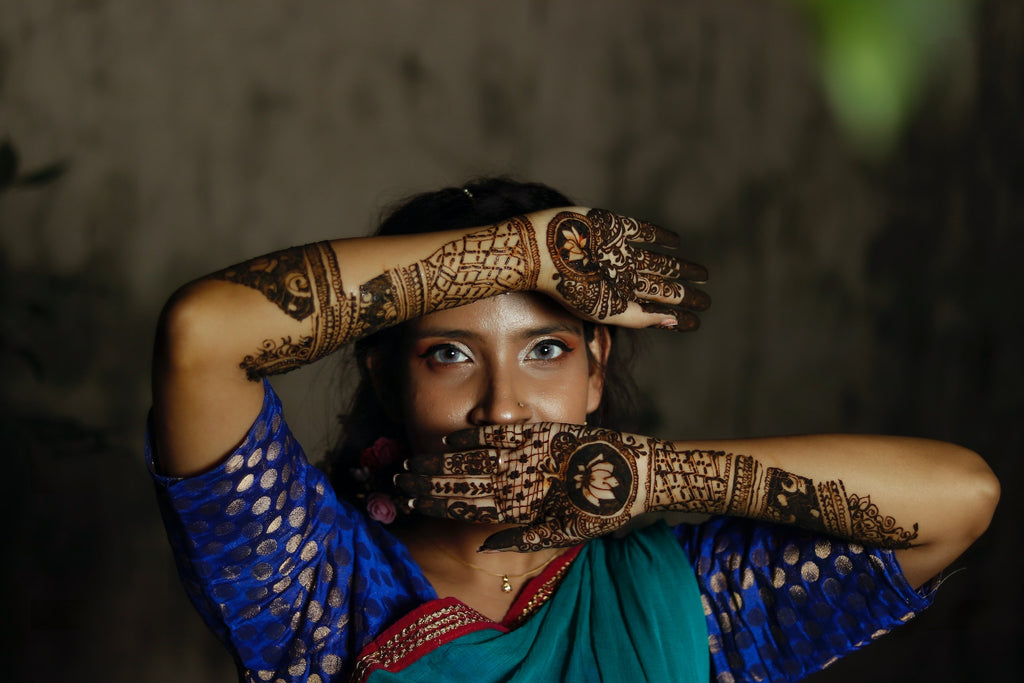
{"x":183,"y":338}
{"x":980,"y":491}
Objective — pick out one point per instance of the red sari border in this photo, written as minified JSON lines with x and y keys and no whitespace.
{"x":441,"y":621}
{"x":419,"y":632}
{"x":537,"y":591}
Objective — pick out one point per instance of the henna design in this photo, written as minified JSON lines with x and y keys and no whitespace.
{"x":274,"y":358}
{"x":469,"y":463}
{"x":305,"y":283}
{"x":283,"y":277}
{"x":721,"y":483}
{"x":693,"y":481}
{"x":568,"y":482}
{"x":600,"y":478}
{"x":589,"y":256}
{"x":599,"y":272}
{"x":867,"y":522}
{"x":471,"y":488}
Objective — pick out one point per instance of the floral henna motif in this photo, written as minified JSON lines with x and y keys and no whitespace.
{"x":590,"y":254}
{"x":600,"y":271}
{"x":868,"y":523}
{"x":598,"y":478}
{"x":569,"y":486}
{"x":277,"y":357}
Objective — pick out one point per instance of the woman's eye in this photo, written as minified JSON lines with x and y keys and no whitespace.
{"x":446,"y":354}
{"x":549,"y":349}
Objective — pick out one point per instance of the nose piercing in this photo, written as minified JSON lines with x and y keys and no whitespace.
{"x":521,"y":404}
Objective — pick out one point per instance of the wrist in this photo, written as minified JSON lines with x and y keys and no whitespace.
{"x":687,"y":480}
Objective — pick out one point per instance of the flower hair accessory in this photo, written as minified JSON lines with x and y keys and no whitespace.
{"x":377,"y":465}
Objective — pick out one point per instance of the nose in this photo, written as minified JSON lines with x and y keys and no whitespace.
{"x":500,"y":401}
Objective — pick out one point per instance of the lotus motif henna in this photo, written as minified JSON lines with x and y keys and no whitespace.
{"x":567,"y":483}
{"x":601,"y":270}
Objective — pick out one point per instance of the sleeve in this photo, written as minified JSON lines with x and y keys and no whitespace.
{"x":293,"y":580}
{"x":781,"y":603}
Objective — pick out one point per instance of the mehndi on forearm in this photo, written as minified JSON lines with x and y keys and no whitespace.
{"x":717,"y":482}
{"x":306,"y":284}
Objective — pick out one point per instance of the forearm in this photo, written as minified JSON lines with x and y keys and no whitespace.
{"x":343,"y":290}
{"x":277,"y":312}
{"x":880,"y":491}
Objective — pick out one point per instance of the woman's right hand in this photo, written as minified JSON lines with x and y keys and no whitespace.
{"x":600,"y":265}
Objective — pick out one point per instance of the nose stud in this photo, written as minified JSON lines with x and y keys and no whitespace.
{"x":521,"y":404}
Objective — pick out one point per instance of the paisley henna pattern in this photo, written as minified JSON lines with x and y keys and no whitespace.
{"x":305,"y":283}
{"x":283,"y":277}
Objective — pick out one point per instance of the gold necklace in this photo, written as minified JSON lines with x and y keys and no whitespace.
{"x":506,"y":587}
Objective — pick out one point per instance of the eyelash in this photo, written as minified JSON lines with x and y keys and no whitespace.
{"x":434,"y":352}
{"x":562,"y":346}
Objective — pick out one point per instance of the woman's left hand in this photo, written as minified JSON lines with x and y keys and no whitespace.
{"x":565,"y":483}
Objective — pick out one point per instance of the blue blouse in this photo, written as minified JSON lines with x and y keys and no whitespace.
{"x":296,"y":582}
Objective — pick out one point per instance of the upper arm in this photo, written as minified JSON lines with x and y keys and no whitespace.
{"x":785,"y":602}
{"x":203,"y":403}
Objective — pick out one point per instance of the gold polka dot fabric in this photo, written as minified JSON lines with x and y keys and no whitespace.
{"x":293,"y":580}
{"x":781,"y":603}
{"x":296,"y":582}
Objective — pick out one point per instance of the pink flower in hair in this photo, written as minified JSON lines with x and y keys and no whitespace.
{"x":380,"y":508}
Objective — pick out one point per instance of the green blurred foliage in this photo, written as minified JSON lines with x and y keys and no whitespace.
{"x":877,"y":57}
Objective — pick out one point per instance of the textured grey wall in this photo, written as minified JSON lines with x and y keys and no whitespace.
{"x":849,"y":295}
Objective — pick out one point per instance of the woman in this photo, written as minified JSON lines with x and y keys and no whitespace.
{"x":481,"y":321}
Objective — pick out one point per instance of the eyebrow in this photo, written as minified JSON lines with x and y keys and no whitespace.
{"x":458,"y":333}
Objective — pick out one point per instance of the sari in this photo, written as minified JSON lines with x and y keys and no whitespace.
{"x":624,"y":609}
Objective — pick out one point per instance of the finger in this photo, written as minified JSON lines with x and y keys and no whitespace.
{"x":651,"y":314}
{"x":418,"y":485}
{"x":529,"y":539}
{"x":654,"y":234}
{"x":463,"y":439}
{"x":669,"y":266}
{"x":653,"y":288}
{"x":481,"y":511}
{"x":672,"y":317}
{"x":480,"y":461}
{"x":493,"y":436}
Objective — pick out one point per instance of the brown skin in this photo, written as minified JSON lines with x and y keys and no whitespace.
{"x":946,"y":491}
{"x":290,"y":308}
{"x":220,"y":332}
{"x":510,"y":359}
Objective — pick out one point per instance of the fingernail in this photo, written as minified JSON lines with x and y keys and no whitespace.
{"x":669,"y":324}
{"x":484,"y":550}
{"x":405,"y":464}
{"x":411,"y":503}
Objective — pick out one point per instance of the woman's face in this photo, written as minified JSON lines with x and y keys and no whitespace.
{"x":514,"y":358}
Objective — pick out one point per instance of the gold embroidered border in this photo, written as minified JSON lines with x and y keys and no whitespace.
{"x":433,"y":626}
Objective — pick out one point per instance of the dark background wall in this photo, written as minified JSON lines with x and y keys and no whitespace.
{"x":860,"y":284}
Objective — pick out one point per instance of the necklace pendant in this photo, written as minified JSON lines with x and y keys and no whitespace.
{"x":506,"y":587}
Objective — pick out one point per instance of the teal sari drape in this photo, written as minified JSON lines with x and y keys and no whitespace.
{"x":626,"y":610}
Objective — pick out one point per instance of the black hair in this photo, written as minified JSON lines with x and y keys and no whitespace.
{"x":484,"y":201}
